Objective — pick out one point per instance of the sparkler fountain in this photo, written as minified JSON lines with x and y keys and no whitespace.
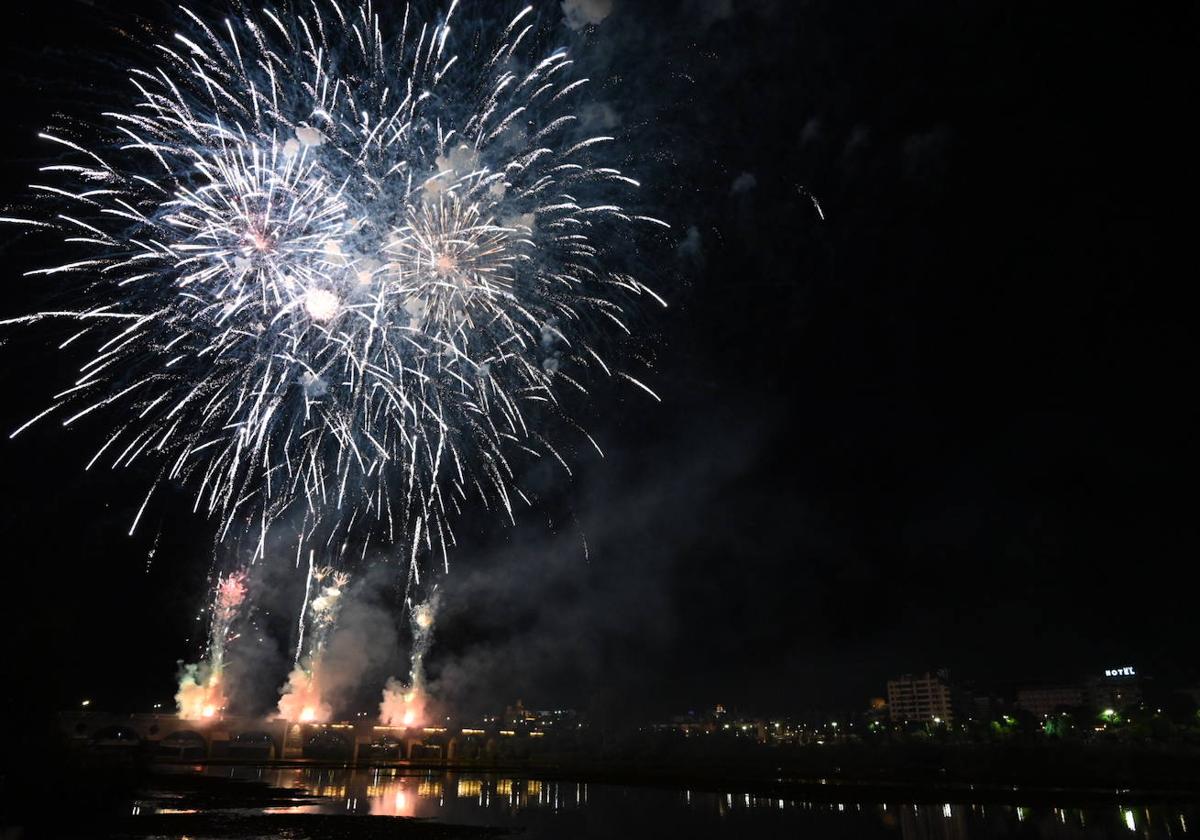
{"x":201,"y":686}
{"x":301,"y":698}
{"x":405,"y":705}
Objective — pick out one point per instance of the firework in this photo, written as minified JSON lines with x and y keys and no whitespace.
{"x":230,"y":595}
{"x":339,"y":272}
{"x":405,"y":705}
{"x":301,"y":699}
{"x":201,"y":691}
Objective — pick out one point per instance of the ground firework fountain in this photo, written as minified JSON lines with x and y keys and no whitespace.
{"x":301,"y":698}
{"x":407,"y":705}
{"x":201,"y":691}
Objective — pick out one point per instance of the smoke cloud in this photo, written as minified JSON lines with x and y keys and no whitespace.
{"x":581,"y":13}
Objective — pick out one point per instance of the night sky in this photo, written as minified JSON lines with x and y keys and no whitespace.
{"x":946,"y":425}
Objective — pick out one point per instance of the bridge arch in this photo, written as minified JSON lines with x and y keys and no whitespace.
{"x":116,"y":737}
{"x":254,"y":743}
{"x":183,"y":744}
{"x":329,"y":744}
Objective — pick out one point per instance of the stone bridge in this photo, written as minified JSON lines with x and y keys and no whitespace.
{"x":167,"y":736}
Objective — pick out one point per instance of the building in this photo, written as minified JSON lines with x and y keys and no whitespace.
{"x":519,"y":717}
{"x":921,"y":697}
{"x":1044,"y":701}
{"x":1117,"y":689}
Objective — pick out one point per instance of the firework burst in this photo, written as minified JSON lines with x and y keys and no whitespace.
{"x":339,"y":272}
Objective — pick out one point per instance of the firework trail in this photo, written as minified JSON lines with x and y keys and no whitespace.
{"x":201,"y":691}
{"x":231,"y":594}
{"x":405,"y":705}
{"x":334,"y":271}
{"x":301,"y":698}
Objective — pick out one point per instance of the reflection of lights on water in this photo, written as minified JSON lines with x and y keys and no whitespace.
{"x":391,"y":792}
{"x":293,"y":809}
{"x":330,"y":790}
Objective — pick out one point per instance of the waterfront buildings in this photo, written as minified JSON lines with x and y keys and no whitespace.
{"x":921,"y":697}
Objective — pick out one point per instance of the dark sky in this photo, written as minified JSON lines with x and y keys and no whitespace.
{"x":946,"y":425}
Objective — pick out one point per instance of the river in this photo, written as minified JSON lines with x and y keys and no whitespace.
{"x":537,"y":808}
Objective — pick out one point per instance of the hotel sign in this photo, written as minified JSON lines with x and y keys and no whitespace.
{"x":1127,"y":671}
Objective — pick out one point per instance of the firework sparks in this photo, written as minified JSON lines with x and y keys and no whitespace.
{"x":405,"y":705}
{"x":332,"y":269}
{"x":300,"y":700}
{"x":201,"y":691}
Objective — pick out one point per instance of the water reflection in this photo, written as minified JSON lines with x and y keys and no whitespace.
{"x":546,"y":806}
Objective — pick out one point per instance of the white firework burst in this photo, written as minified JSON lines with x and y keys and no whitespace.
{"x":340,"y":272}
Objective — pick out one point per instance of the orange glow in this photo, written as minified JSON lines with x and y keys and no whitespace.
{"x":301,"y":699}
{"x":392,"y":799}
{"x":402,"y":705}
{"x":199,"y":699}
